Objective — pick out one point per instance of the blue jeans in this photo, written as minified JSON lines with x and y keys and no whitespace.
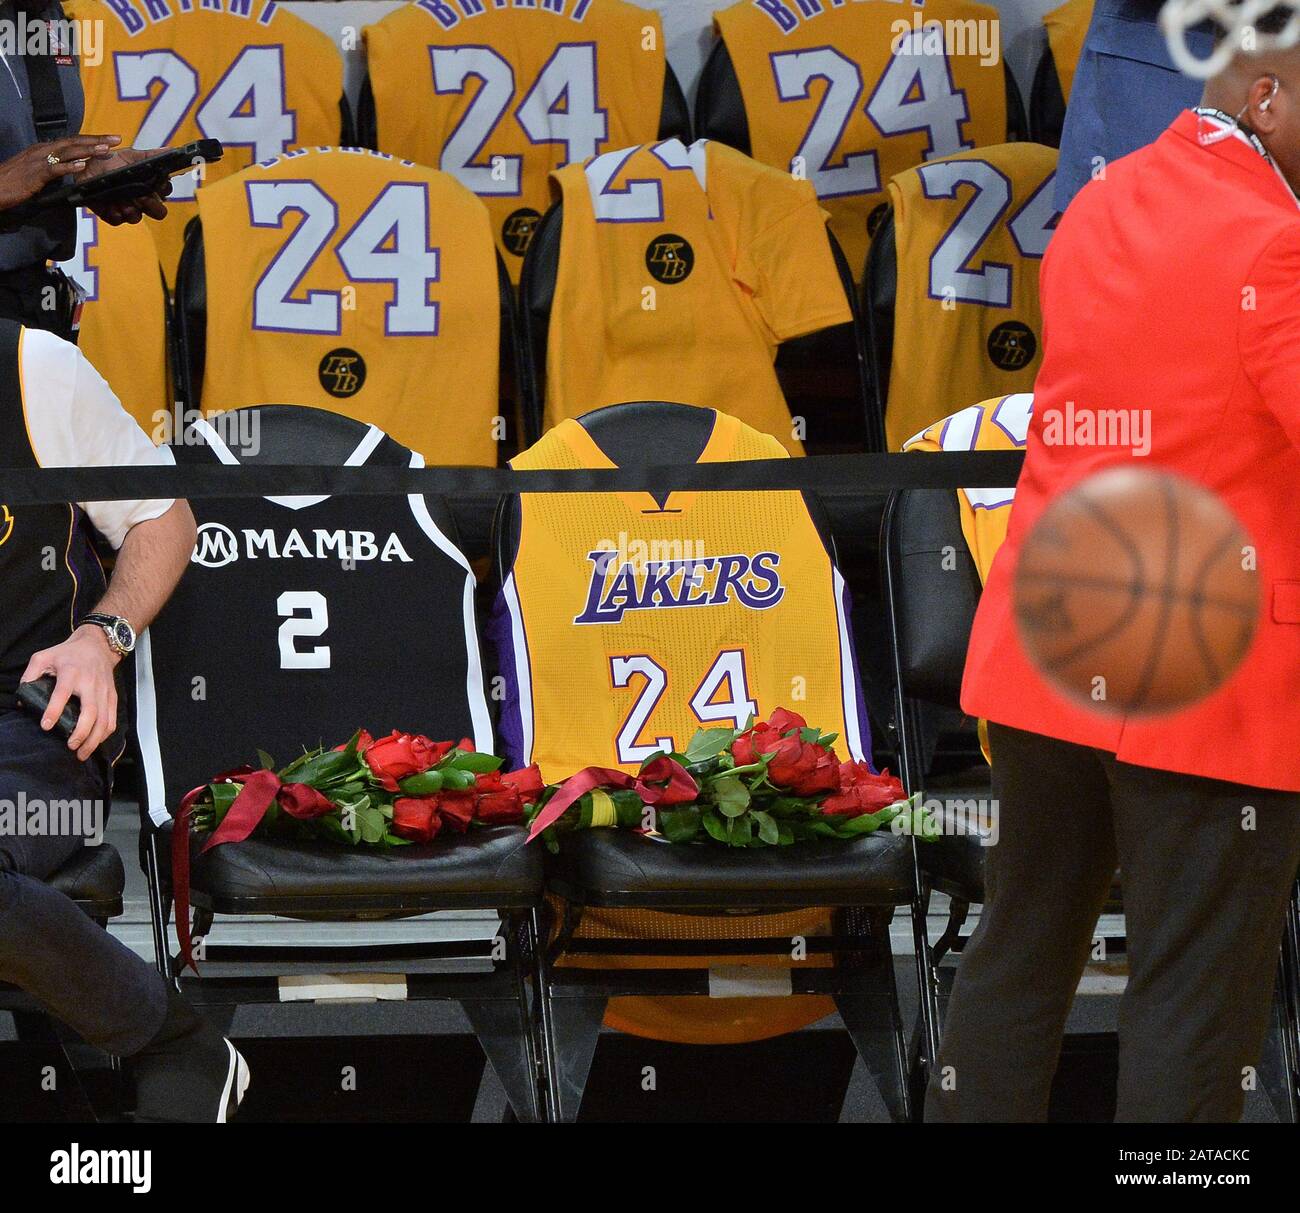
{"x":48,"y":947}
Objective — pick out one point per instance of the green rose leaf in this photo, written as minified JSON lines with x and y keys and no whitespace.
{"x":479,"y":764}
{"x":680,"y":825}
{"x":768,"y":830}
{"x":740,"y":831}
{"x":423,"y":784}
{"x":715,"y":826}
{"x":731,"y":795}
{"x":708,"y":743}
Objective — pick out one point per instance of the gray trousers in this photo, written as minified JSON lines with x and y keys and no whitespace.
{"x":48,"y":947}
{"x":1206,"y":868}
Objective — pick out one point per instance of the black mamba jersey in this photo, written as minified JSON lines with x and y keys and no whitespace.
{"x":301,"y":620}
{"x":49,"y":573}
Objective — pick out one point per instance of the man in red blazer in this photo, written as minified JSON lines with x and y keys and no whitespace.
{"x":1172,"y":286}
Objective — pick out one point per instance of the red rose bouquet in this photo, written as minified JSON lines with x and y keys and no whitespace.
{"x":773,"y":783}
{"x":368,"y":792}
{"x":385,"y":792}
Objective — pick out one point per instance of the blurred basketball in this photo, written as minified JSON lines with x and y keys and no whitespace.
{"x":1136,"y":592}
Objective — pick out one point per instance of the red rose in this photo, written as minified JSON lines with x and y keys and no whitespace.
{"x":783,"y":721}
{"x":803,"y":767}
{"x":364,"y":741}
{"x":498,"y":803}
{"x":400,"y":755}
{"x":302,"y":801}
{"x":456,"y":809}
{"x":416,"y":818}
{"x":862,"y":791}
{"x":527,"y":782}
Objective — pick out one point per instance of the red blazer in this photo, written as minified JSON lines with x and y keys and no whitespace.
{"x":1173,"y":284}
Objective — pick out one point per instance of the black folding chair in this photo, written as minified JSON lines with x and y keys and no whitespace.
{"x":932,"y":589}
{"x":862,"y":881}
{"x":1046,"y":102}
{"x":489,"y":870}
{"x":94,"y":879}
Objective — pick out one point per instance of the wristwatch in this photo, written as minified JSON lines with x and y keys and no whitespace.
{"x":121,"y":635}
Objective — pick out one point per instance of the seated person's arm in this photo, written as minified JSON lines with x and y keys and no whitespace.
{"x":77,"y":421}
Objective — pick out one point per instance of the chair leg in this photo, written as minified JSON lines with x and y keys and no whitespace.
{"x":926,"y":1048}
{"x":159,"y":909}
{"x":504,"y":1026}
{"x":868,"y":1003}
{"x":1289,"y":1006}
{"x":569,"y":1026}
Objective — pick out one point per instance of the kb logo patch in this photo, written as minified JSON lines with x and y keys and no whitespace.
{"x":1012,"y":346}
{"x":670,"y":258}
{"x":517,"y":231}
{"x":342,"y":372}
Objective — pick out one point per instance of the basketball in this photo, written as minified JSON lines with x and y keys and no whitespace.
{"x":1136,"y":592}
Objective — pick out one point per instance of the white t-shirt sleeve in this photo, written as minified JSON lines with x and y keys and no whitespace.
{"x":75,"y":420}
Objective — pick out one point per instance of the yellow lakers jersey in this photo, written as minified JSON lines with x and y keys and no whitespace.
{"x":970,"y":234}
{"x":849,"y":95}
{"x":349,"y":281}
{"x":681,"y":271}
{"x":1067,"y":27}
{"x":243,"y":71}
{"x":993,"y":425}
{"x":624,"y":626}
{"x":499,"y":96}
{"x":124,"y":320}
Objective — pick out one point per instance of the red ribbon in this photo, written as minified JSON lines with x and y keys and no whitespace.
{"x":260,"y":789}
{"x":678,"y":787}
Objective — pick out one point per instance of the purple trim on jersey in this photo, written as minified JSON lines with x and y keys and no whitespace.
{"x":851,"y":658}
{"x":510,"y":726}
{"x":1018,"y":443}
{"x":836,"y":146}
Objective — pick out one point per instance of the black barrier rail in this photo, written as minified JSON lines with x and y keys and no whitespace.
{"x":847,"y":477}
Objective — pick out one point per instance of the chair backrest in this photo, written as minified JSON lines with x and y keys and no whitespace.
{"x":248,"y":72}
{"x":1064,"y":31}
{"x":933,"y":589}
{"x":355,"y":283}
{"x":950,"y":294}
{"x":124,"y":323}
{"x":1047,"y":102}
{"x":301,"y":620}
{"x":820,"y":375}
{"x":823,"y":91}
{"x":708,"y":607}
{"x":502,"y":100}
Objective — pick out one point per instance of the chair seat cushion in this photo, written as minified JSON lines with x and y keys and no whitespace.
{"x":487,"y":869}
{"x":94,"y":879}
{"x":609,"y":867}
{"x":954,"y":864}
